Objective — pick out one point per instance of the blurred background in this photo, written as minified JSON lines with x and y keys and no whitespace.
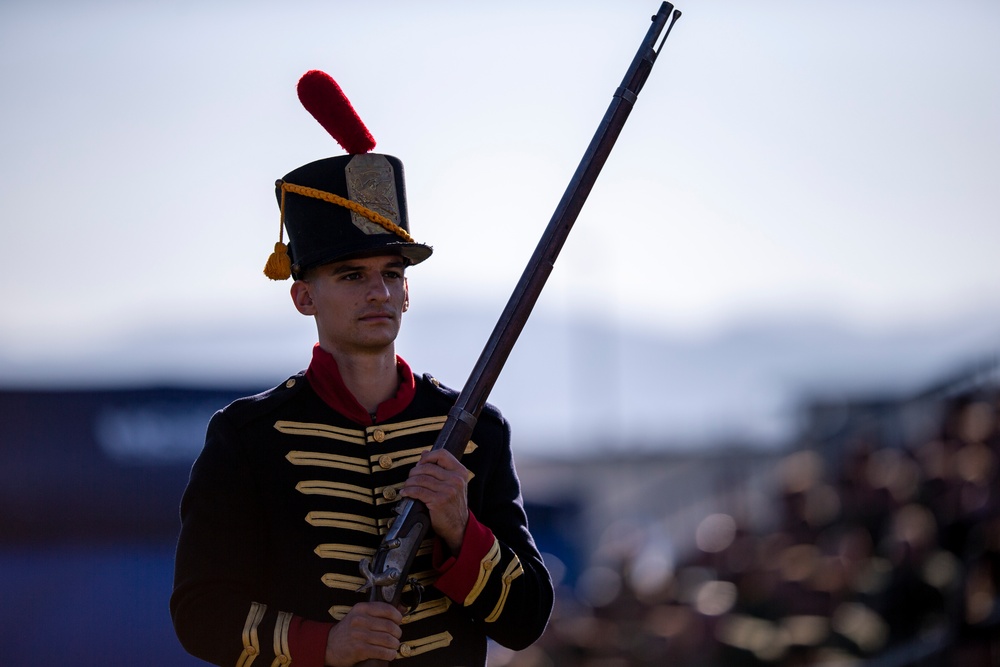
{"x":755,"y":411}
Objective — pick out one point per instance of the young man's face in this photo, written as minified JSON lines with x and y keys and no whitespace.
{"x":357,"y":303}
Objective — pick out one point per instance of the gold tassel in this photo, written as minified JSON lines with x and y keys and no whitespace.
{"x":279,"y":264}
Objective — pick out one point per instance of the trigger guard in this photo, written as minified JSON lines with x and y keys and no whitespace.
{"x":412,"y":598}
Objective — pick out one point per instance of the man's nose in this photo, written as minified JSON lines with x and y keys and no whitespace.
{"x":378,"y":289}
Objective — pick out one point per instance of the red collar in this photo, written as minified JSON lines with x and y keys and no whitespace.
{"x":324,"y":376}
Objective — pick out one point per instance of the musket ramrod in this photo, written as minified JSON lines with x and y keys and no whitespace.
{"x":388,"y":572}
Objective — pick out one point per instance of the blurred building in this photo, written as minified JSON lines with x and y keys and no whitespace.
{"x":89,"y":496}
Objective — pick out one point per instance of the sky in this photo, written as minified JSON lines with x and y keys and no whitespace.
{"x":834,"y":161}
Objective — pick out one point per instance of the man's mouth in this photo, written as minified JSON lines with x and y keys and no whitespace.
{"x":381,"y":315}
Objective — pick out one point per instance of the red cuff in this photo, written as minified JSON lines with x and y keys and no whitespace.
{"x":307,"y":642}
{"x":459,"y":575}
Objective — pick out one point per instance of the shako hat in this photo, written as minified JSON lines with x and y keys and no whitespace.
{"x":340,"y":207}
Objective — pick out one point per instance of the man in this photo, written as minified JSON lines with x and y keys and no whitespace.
{"x":296,"y":486}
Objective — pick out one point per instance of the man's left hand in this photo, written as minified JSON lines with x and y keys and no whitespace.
{"x":440,"y":481}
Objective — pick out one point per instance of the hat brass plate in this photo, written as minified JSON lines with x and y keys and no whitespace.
{"x":372,"y":183}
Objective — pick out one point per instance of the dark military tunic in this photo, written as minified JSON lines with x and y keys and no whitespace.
{"x":289,"y":495}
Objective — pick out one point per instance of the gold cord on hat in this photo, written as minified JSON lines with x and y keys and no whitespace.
{"x":279,"y":265}
{"x":377,"y":218}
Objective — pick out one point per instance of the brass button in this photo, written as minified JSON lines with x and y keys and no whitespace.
{"x":283,"y":659}
{"x":385,"y":462}
{"x":389,"y":493}
{"x":290,"y":383}
{"x":488,"y":565}
{"x":251,"y":650}
{"x":435,"y":382}
{"x":378,"y":434}
{"x":405,"y":650}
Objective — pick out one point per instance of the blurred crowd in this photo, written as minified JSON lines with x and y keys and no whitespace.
{"x":887,"y":550}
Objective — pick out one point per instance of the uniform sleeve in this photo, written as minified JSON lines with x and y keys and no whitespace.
{"x":498,"y":576}
{"x":218,"y":605}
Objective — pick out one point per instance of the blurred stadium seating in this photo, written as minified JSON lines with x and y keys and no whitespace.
{"x":879,"y":546}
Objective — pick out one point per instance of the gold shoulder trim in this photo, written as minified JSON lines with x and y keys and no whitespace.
{"x":336,"y":489}
{"x":362,"y":524}
{"x":251,"y":642}
{"x":513,"y":571}
{"x":324,"y":460}
{"x":355,"y":436}
{"x":486,"y":566}
{"x":282,"y":654}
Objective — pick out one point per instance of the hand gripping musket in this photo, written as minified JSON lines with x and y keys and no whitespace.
{"x":388,"y":572}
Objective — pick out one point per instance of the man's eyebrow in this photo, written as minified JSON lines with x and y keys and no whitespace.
{"x":348,"y":268}
{"x":351,"y":268}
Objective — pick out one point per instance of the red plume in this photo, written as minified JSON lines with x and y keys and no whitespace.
{"x":323,"y":98}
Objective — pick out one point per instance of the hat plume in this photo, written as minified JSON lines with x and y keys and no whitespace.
{"x":323,"y":98}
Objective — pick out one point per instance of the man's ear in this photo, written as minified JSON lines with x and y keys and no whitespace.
{"x":302,"y":298}
{"x":406,"y":295}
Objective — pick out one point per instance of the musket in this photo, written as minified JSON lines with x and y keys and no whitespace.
{"x":388,"y":572}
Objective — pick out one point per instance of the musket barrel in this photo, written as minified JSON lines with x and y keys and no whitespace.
{"x":536,"y":273}
{"x":458,"y":428}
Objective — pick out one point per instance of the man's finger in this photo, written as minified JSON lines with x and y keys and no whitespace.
{"x":441,"y":458}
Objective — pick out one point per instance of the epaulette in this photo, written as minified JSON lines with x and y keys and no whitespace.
{"x":489,"y":410}
{"x":245,"y":409}
{"x":439,"y":386}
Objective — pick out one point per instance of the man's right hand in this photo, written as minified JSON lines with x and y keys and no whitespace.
{"x":370,"y":631}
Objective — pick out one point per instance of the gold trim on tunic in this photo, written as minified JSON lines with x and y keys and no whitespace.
{"x":282,"y":654}
{"x":251,"y":642}
{"x":514,"y":570}
{"x":348,"y":552}
{"x":428,"y":609}
{"x":356,"y":522}
{"x":336,"y":489}
{"x":343,"y":581}
{"x":324,"y":460}
{"x":339,"y":611}
{"x":401,"y":429}
{"x":486,"y":567}
{"x":424,"y":644}
{"x":354,"y":436}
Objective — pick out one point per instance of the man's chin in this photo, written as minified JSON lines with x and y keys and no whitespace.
{"x":380,"y":339}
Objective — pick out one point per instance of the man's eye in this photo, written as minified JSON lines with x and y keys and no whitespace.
{"x":393,"y":275}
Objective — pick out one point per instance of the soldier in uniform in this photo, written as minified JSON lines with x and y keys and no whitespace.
{"x":295,"y":486}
